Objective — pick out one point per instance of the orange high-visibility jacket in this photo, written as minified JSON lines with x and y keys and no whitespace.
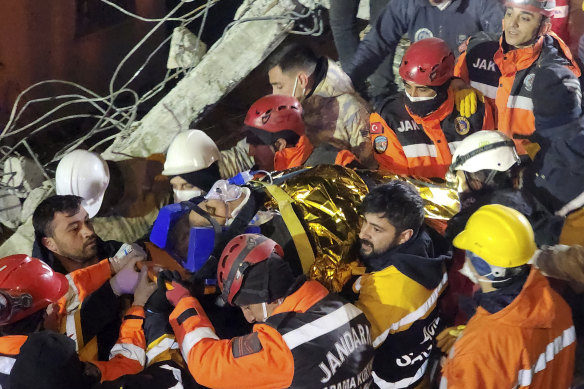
{"x":408,"y":144}
{"x":528,"y":344}
{"x":293,"y":349}
{"x":507,"y":77}
{"x":127,"y":356}
{"x":291,"y":157}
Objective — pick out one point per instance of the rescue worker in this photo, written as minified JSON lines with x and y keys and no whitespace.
{"x":276,"y":137}
{"x":554,"y":177}
{"x":332,"y":108}
{"x":504,"y":67}
{"x":30,"y":295}
{"x":194,"y":163}
{"x":417,"y":132}
{"x":522,"y":333}
{"x":489,"y":170}
{"x":405,"y":275}
{"x":453,"y":21}
{"x":64,"y":235}
{"x":303,"y":336}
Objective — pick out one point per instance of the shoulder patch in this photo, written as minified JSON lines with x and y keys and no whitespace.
{"x":376,"y":128}
{"x":380,"y":144}
{"x":528,"y":82}
{"x":246,"y":345}
{"x":423,"y":33}
{"x":461,"y":125}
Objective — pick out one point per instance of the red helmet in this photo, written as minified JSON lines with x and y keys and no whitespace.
{"x":28,"y":285}
{"x":428,"y":62}
{"x":544,"y":7}
{"x":276,"y":113}
{"x":241,"y":253}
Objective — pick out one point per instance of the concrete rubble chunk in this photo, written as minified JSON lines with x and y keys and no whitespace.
{"x":229,"y":61}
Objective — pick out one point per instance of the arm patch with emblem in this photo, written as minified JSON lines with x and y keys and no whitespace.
{"x":246,"y":345}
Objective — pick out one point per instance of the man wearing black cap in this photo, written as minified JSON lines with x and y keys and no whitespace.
{"x":304,"y":337}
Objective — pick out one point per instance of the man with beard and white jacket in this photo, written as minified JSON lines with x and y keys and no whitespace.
{"x":333,"y":112}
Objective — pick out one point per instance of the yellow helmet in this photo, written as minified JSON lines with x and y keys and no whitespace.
{"x":500,"y":235}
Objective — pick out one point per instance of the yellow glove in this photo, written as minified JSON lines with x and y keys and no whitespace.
{"x":446,"y":339}
{"x":466,"y":101}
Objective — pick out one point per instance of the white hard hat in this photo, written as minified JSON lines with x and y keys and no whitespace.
{"x":84,"y":174}
{"x":483,"y":150}
{"x":190,"y":151}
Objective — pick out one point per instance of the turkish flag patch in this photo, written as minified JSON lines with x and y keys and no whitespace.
{"x":376,"y":128}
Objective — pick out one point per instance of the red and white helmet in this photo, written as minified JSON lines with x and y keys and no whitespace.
{"x":428,"y":62}
{"x":276,"y":113}
{"x":544,"y":7}
{"x":240,"y":254}
{"x":27,"y":285}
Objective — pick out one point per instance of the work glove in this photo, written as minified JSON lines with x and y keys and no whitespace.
{"x":158,"y":303}
{"x":446,"y":339}
{"x":177,"y":289}
{"x":126,"y":280}
{"x":126,"y":253}
{"x":466,"y":101}
{"x":145,"y":288}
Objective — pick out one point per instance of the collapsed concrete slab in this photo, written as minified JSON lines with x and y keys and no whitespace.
{"x":244,"y":46}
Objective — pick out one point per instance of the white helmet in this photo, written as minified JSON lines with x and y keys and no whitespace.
{"x":190,"y":151}
{"x":84,"y":174}
{"x":482,"y":150}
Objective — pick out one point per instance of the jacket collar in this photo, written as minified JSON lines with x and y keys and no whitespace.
{"x":421,"y":258}
{"x":440,"y":114}
{"x":293,"y":156}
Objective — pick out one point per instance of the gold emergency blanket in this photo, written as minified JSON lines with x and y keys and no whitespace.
{"x":327,"y":200}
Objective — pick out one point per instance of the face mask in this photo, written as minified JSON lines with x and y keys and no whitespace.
{"x":186,"y":194}
{"x":294,"y":89}
{"x":424,"y":106}
{"x":487,"y":274}
{"x":418,"y":98}
{"x":468,"y":273}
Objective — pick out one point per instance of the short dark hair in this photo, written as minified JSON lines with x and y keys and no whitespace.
{"x":399,"y":202}
{"x":45,"y":212}
{"x":292,"y":57}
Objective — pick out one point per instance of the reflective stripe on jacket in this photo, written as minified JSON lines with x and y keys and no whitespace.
{"x":128,"y":356}
{"x":267,"y":358}
{"x":404,"y":321}
{"x":411,"y":145}
{"x":528,"y":344}
{"x":9,"y":350}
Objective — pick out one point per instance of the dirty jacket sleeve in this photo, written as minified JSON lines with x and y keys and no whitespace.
{"x":128,"y":356}
{"x":380,"y":42}
{"x":235,"y":160}
{"x":257,"y":360}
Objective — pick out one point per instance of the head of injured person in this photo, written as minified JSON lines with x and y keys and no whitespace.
{"x":192,"y":163}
